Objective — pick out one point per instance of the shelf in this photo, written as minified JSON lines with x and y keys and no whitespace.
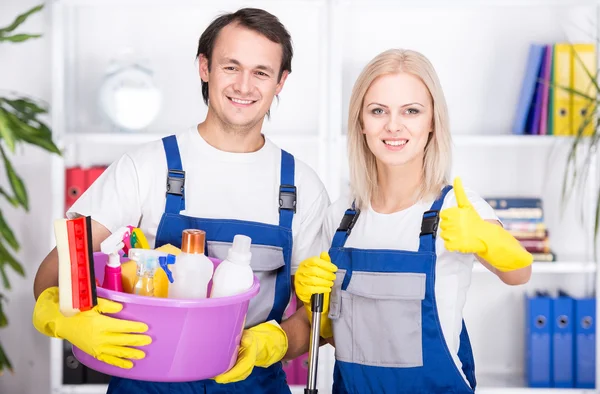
{"x":557,"y":267}
{"x":503,"y":140}
{"x":141,"y":138}
{"x":511,"y":140}
{"x":514,"y":384}
{"x":111,"y":138}
{"x":83,"y":389}
{"x":458,"y":140}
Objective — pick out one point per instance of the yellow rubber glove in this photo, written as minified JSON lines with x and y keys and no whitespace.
{"x":261,"y":346}
{"x":316,"y":275}
{"x":464,"y":231}
{"x":103,"y":337}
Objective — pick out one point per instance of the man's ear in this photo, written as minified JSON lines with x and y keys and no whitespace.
{"x":284,"y":76}
{"x":203,"y":68}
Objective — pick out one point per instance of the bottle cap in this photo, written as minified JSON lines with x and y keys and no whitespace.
{"x":240,"y":249}
{"x":192,"y":241}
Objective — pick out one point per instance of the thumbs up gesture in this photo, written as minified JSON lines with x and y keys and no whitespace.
{"x":464,"y":231}
{"x":461,"y":225}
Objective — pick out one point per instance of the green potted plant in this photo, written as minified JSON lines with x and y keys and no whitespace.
{"x":21,"y":121}
{"x":577,"y":167}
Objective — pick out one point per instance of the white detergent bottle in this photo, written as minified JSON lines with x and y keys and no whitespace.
{"x":234,"y":274}
{"x":192,"y":269}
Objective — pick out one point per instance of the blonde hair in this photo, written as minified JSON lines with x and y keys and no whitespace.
{"x":438,"y":151}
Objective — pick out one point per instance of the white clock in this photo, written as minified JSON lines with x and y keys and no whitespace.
{"x":129,"y":98}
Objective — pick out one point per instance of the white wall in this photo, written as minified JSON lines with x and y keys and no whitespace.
{"x":25,"y":68}
{"x":476,"y":107}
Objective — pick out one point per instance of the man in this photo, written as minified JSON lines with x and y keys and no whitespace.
{"x":225,"y":178}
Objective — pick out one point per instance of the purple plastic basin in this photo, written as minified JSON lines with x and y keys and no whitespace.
{"x":191,"y":339}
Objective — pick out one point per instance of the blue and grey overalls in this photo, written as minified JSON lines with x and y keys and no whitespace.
{"x":271,"y":263}
{"x":387,"y":333}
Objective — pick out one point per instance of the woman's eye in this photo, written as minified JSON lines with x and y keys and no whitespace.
{"x":377,"y":111}
{"x":412,"y":111}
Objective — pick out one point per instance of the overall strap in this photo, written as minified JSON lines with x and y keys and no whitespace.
{"x":429,"y":224}
{"x":287,"y":209}
{"x":287,"y":191}
{"x":175,"y":177}
{"x":345,"y":228}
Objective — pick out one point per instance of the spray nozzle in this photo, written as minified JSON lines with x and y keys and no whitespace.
{"x":164,"y":262}
{"x":113,"y":244}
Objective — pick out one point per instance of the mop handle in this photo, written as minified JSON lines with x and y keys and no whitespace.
{"x":315,"y":335}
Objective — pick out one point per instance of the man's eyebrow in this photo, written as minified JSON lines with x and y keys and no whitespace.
{"x":230,"y":60}
{"x":265,"y":68}
{"x":259,"y":67}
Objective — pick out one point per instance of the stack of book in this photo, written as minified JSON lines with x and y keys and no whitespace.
{"x":523,"y":217}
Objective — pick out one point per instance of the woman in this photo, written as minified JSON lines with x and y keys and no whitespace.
{"x":398,"y":283}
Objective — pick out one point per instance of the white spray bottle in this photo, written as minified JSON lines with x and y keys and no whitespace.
{"x":234,"y":274}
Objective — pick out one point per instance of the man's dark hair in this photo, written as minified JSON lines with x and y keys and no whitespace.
{"x":256,"y":20}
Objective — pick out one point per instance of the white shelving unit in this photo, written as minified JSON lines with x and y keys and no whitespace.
{"x":479,"y":49}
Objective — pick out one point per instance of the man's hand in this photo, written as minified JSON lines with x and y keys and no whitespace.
{"x":261,"y":346}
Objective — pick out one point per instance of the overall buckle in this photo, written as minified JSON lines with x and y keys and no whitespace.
{"x":348,"y":221}
{"x":287,"y":198}
{"x":429,"y":225}
{"x":175,"y":182}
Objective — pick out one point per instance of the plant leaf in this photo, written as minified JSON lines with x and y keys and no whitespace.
{"x":12,"y":200}
{"x":596,"y":224}
{"x":8,"y":234}
{"x":19,"y":37}
{"x":5,"y":281}
{"x":37,"y":133}
{"x":20,"y":19}
{"x":25,"y":109}
{"x":6,"y":132}
{"x":4,"y":362}
{"x":588,"y":73}
{"x":3,"y":318}
{"x":575,"y":92}
{"x":15,"y":182}
{"x":43,"y":143}
{"x":6,"y":257}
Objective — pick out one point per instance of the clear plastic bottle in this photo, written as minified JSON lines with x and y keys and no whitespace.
{"x":147,"y":262}
{"x":234,"y":274}
{"x":192,"y":269}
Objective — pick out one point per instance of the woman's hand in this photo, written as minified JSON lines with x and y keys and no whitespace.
{"x":464,"y":231}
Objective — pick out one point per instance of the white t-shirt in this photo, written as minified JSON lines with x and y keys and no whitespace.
{"x":400,"y":231}
{"x":218,"y":185}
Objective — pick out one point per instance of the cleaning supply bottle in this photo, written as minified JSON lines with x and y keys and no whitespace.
{"x":147,"y":261}
{"x":161,"y":280}
{"x":192,"y":269}
{"x":112,"y":270}
{"x":234,"y":274}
